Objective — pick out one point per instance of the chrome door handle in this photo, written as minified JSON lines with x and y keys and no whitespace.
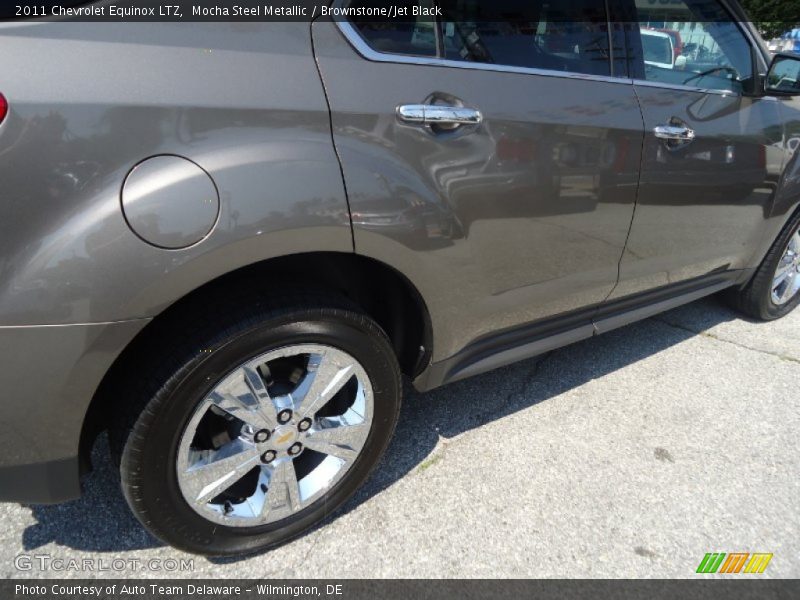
{"x":675,"y":133}
{"x":435,"y":114}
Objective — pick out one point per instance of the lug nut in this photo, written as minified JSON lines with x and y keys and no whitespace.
{"x":295,"y":449}
{"x":304,"y":425}
{"x":284,"y":416}
{"x":268,"y":456}
{"x":261,"y":436}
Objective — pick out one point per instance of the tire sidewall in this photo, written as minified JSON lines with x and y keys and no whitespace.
{"x":152,"y":486}
{"x":769,"y":308}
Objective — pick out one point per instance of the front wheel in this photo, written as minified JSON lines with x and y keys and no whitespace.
{"x":774,"y":290}
{"x":269,"y":424}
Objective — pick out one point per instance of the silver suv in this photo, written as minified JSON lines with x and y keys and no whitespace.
{"x":227,"y":244}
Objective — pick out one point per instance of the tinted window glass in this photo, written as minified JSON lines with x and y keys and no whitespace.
{"x":695,"y":43}
{"x":415,"y":36}
{"x":542,"y":34}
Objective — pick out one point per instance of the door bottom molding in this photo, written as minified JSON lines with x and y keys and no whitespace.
{"x":532,"y":339}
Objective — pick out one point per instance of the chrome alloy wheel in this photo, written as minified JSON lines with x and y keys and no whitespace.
{"x":786,"y":282}
{"x":274,"y":435}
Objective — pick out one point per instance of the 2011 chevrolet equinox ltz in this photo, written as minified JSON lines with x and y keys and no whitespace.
{"x":225,"y":245}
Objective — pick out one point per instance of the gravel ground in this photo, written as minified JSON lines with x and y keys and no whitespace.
{"x":628,"y":455}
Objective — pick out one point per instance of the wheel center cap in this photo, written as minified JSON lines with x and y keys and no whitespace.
{"x":284,"y":436}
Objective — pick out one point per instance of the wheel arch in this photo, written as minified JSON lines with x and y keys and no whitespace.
{"x":385,"y":294}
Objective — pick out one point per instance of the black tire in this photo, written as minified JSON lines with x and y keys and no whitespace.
{"x":755,"y":298}
{"x":146,"y":437}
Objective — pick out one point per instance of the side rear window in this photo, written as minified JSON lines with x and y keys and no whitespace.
{"x":414,"y":36}
{"x":570,"y":37}
{"x":541,"y":34}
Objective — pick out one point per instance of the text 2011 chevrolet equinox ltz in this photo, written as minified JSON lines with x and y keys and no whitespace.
{"x":226,"y":244}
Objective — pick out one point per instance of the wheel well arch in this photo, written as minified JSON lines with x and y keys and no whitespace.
{"x":381,"y":291}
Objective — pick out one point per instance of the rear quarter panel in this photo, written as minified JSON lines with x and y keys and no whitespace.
{"x":88,"y":101}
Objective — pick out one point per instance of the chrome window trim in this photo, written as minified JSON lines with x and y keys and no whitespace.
{"x":687,"y":88}
{"x":361,"y":46}
{"x":684,"y":88}
{"x":352,"y":35}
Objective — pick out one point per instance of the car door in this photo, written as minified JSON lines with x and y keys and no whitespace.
{"x":712,"y":151}
{"x":493,"y":159}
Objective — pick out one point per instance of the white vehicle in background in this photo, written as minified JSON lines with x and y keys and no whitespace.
{"x":775,"y":45}
{"x":659,"y":49}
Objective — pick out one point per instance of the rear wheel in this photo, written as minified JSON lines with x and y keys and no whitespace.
{"x":266,"y":426}
{"x":774,"y":290}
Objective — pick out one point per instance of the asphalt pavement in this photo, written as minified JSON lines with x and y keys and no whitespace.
{"x":632,"y":454}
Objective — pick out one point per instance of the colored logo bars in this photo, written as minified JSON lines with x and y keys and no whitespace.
{"x":737,"y":562}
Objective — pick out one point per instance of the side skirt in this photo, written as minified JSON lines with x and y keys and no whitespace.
{"x":512,"y":345}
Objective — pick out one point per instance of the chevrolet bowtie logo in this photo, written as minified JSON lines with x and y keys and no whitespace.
{"x":285,"y":437}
